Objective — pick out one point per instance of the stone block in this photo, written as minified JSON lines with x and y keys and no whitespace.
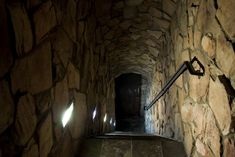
{"x":133,"y":2}
{"x":103,"y":7}
{"x":153,"y":51}
{"x":109,"y":35}
{"x":113,"y":23}
{"x":223,"y":14}
{"x":181,"y":97}
{"x":208,"y":45}
{"x":33,"y":73}
{"x":66,"y":147}
{"x":6,"y":59}
{"x":229,"y":147}
{"x":232,"y":75}
{"x":22,"y":28}
{"x":188,"y":139}
{"x":143,"y":25}
{"x":190,"y":39}
{"x":179,"y":82}
{"x":202,"y":149}
{"x":150,"y":42}
{"x":81,"y":29}
{"x":198,"y":116}
{"x":33,"y":3}
{"x":61,"y":100}
{"x":125,"y":24}
{"x":143,"y":8}
{"x":214,"y":71}
{"x":45,"y":137}
{"x":26,"y":120}
{"x":90,"y":28}
{"x":83,"y":8}
{"x":43,"y":101}
{"x":224,"y":54}
{"x":205,"y":18}
{"x":197,"y":37}
{"x":79,"y":117}
{"x":181,"y":55}
{"x":198,"y":86}
{"x":161,"y":24}
{"x":190,"y":19}
{"x":129,"y":12}
{"x":178,"y":127}
{"x":233,"y":109}
{"x":68,"y":20}
{"x":58,"y":132}
{"x":118,"y":5}
{"x":84,"y":71}
{"x":182,"y":22}
{"x":219,"y":104}
{"x":202,"y":17}
{"x":187,"y":110}
{"x":155,"y":12}
{"x":6,"y":105}
{"x":73,"y":77}
{"x":44,"y":20}
{"x":169,"y":7}
{"x":134,"y":37}
{"x":212,"y":134}
{"x":62,"y":46}
{"x":31,"y":150}
{"x":186,"y":42}
{"x":70,"y":28}
{"x":155,"y":34}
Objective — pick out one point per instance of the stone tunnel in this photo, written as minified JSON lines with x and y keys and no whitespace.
{"x":92,"y":53}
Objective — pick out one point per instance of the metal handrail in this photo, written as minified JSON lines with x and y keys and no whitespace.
{"x":186,"y":65}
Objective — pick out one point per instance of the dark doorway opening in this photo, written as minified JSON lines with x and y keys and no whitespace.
{"x":128,"y":103}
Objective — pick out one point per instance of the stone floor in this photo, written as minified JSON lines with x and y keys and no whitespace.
{"x":131,"y":145}
{"x":135,"y":124}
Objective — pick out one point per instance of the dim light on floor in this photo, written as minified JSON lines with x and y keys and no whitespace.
{"x":67,"y":115}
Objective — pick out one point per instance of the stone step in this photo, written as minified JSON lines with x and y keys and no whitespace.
{"x":128,"y":145}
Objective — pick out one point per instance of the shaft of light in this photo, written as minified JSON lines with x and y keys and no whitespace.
{"x":94,"y":114}
{"x":67,"y":115}
{"x":105,"y":117}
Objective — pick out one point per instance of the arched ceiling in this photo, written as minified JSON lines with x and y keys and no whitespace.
{"x":133,"y":33}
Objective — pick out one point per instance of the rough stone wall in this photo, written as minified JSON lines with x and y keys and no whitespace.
{"x":133,"y":32}
{"x":49,"y":58}
{"x":163,"y":118}
{"x":202,"y":108}
{"x":205,"y":29}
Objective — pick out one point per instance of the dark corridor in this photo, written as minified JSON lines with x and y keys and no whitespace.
{"x":128,"y":103}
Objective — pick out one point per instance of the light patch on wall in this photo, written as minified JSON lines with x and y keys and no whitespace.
{"x":111,"y":121}
{"x":94,"y":113}
{"x":67,"y":115}
{"x":114,"y":123}
{"x":105,"y":117}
